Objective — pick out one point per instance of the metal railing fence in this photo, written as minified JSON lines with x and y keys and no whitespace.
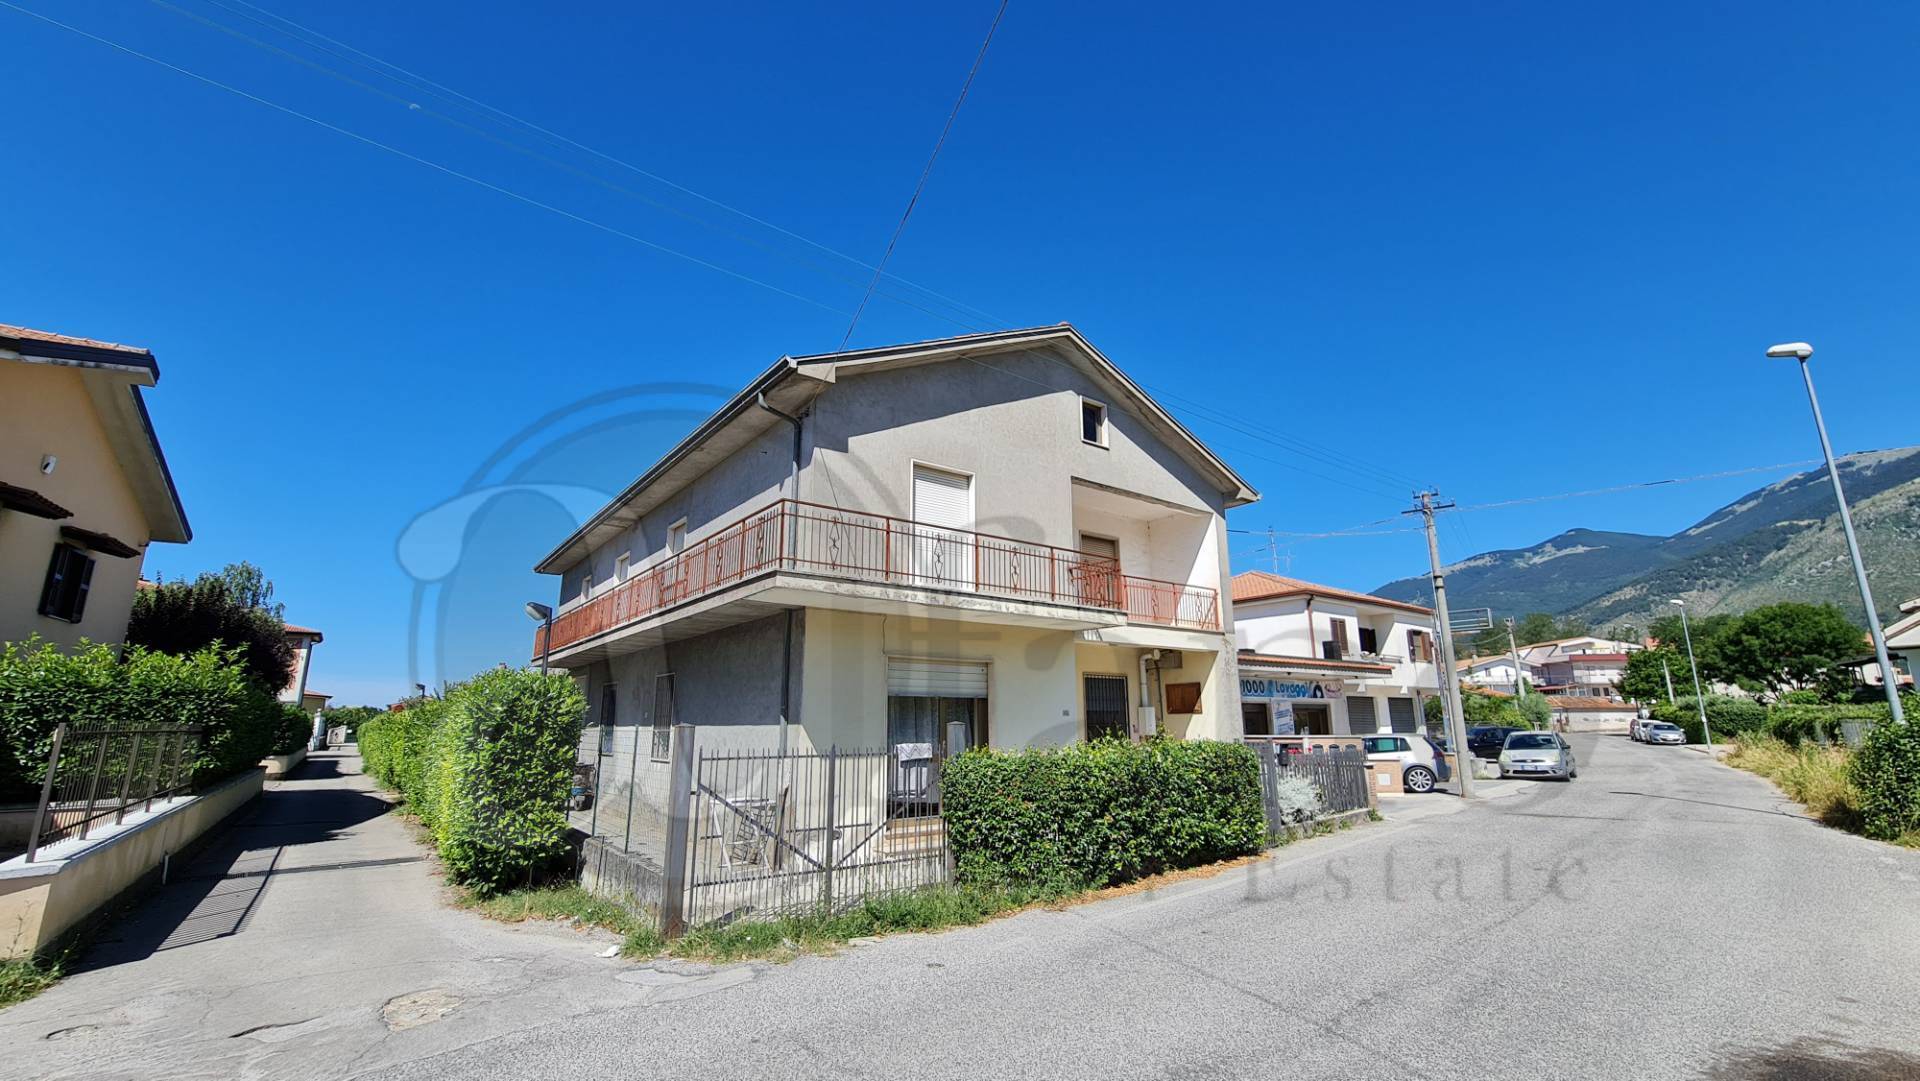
{"x":98,"y":773}
{"x":1339,"y":776}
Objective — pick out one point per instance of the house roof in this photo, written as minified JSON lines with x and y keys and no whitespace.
{"x":1475,"y":662}
{"x":315,"y":694}
{"x":1596,"y":658}
{"x":1249,"y":658}
{"x":1577,"y":703}
{"x":794,"y":381}
{"x":128,"y":426}
{"x":295,"y":628}
{"x":1260,"y":586}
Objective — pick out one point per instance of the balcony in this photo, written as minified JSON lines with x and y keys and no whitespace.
{"x":794,"y":537}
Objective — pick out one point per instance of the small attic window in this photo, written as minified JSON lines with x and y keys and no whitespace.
{"x":1093,"y":422}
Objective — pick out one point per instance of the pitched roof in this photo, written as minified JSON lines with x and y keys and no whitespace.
{"x":9,"y":330}
{"x":794,"y":381}
{"x":295,"y":628}
{"x":1260,"y":586}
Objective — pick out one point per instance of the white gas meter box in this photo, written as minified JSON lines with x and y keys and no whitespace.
{"x":1145,"y":721}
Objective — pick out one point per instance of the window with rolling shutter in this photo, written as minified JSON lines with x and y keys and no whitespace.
{"x":1401,"y":715}
{"x":1361,"y":717}
{"x":941,"y":546}
{"x":909,"y":678}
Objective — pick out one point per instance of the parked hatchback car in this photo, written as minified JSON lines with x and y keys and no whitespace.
{"x":1538,"y":754}
{"x":1637,"y":730}
{"x":1661,"y":732}
{"x":1486,"y":740}
{"x":1422,"y":761}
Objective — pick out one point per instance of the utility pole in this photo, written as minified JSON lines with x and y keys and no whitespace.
{"x":1668,"y":672}
{"x":1519,"y":674}
{"x":1456,"y":718}
{"x":1273,"y":551}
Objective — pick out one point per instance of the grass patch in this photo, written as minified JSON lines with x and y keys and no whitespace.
{"x":23,"y":978}
{"x":567,"y":903}
{"x":1814,"y":776}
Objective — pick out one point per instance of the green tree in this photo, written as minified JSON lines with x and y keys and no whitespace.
{"x":1788,"y":646}
{"x":1646,"y":678}
{"x":182,"y":618}
{"x":1709,"y":635}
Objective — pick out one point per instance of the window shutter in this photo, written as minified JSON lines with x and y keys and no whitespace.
{"x":1361,"y":717}
{"x":80,"y":587}
{"x":941,"y":498}
{"x":908,"y":678}
{"x":1400,"y":715}
{"x":56,"y":575}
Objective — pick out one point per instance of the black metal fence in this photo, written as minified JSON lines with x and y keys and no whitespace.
{"x":771,"y":834}
{"x":1338,"y":778}
{"x":96,"y":774}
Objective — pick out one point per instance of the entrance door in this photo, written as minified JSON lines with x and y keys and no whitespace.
{"x":1107,"y":708}
{"x":941,"y":553}
{"x":1100,"y":571}
{"x":1255,"y":719}
{"x":1312,"y":719}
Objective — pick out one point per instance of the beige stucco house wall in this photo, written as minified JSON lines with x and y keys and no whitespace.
{"x":80,"y":466}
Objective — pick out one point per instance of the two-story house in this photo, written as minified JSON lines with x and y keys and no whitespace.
{"x":996,"y":539}
{"x":1586,"y":666}
{"x":1324,"y":661}
{"x":84,"y":487}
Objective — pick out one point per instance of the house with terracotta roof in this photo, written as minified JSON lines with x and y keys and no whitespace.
{"x":991,"y":540}
{"x":84,"y":487}
{"x":296,"y":692}
{"x":1328,"y":661}
{"x":1585,"y":666}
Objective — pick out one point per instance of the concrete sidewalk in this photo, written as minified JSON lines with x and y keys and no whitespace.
{"x":311,"y":938}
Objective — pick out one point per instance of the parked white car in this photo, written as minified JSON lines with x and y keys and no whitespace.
{"x":1422,"y":763}
{"x":1637,"y":730}
{"x":1658,"y":732}
{"x":1538,"y":754}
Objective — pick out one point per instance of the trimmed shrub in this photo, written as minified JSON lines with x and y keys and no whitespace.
{"x":1886,"y":773}
{"x":42,"y":686}
{"x":1095,"y":814}
{"x":1796,"y":723}
{"x":294,"y":730}
{"x":487,"y":770}
{"x":1726,"y":715}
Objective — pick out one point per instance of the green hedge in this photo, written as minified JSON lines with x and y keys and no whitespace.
{"x":294,"y":730}
{"x":42,"y":686}
{"x":1796,"y":722}
{"x":1726,"y":715}
{"x":1096,"y":814}
{"x":1886,"y":772}
{"x":487,"y":769}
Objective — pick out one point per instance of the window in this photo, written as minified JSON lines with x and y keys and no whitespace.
{"x":941,"y":545}
{"x":1419,"y":645}
{"x":1335,"y":647}
{"x":1100,"y":574}
{"x":1183,"y":698}
{"x":1385,"y":745}
{"x":1369,"y":640}
{"x":622,"y":566}
{"x":1107,"y":707}
{"x":1093,"y":422}
{"x":671,"y":574}
{"x":586,"y":583}
{"x":934,"y":709}
{"x":662,"y":716}
{"x":1256,"y":719}
{"x":69,"y":574}
{"x":1361,"y":715}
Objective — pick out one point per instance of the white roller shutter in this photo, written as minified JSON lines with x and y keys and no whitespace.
{"x":941,"y":498}
{"x":935,"y":679}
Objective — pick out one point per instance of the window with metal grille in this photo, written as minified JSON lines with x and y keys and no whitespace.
{"x":662,"y":716}
{"x":1107,"y":707}
{"x":69,"y":575}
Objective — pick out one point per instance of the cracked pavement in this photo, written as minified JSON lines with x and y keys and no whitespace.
{"x":1661,"y":917}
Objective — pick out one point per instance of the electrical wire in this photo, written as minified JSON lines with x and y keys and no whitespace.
{"x":418,"y":160}
{"x":344,"y":51}
{"x":925,"y":172}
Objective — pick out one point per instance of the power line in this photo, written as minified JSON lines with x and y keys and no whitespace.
{"x":924,"y":173}
{"x":344,"y":51}
{"x":418,"y":160}
{"x":1642,"y":484}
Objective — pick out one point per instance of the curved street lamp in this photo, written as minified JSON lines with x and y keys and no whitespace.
{"x":1800,"y":351}
{"x":1699,"y":699}
{"x":542,"y":615}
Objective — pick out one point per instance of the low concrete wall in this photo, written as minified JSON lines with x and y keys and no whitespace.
{"x":16,"y":821}
{"x":44,"y":900}
{"x":628,"y":878}
{"x":279,"y":765}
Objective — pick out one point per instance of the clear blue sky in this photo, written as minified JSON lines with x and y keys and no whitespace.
{"x":1507,"y":250}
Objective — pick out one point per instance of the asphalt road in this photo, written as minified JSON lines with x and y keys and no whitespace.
{"x":1661,"y":917}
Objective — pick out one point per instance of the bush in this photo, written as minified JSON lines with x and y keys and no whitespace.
{"x":183,"y":618}
{"x":487,"y":770}
{"x":42,"y":686}
{"x":1817,"y":777}
{"x":1726,"y":715}
{"x":1795,"y":722}
{"x":294,"y":730}
{"x":1095,"y":814}
{"x":1886,"y":773}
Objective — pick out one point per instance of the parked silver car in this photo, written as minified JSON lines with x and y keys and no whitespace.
{"x":1661,"y":732}
{"x":1538,"y":754}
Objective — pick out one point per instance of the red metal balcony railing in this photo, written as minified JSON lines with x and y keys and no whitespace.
{"x":811,"y":538}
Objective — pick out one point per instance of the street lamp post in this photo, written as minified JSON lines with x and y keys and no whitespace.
{"x":1699,"y":699}
{"x":542,"y":615}
{"x":1800,"y":351}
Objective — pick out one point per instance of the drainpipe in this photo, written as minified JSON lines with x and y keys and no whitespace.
{"x":1146,"y":694}
{"x":786,"y":650}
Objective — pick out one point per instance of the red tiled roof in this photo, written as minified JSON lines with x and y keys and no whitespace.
{"x":9,"y":330}
{"x":1596,"y":658}
{"x":1271,"y":660}
{"x":295,"y":628}
{"x":1576,"y":702}
{"x":1260,"y":585}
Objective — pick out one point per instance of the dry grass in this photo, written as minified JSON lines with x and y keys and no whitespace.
{"x":1814,"y":776}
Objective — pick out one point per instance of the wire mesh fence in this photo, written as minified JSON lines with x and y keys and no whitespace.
{"x":99,"y":774}
{"x":774,"y":834}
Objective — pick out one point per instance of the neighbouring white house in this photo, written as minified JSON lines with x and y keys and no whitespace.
{"x":996,"y":539}
{"x":1319,"y":660}
{"x":1583,"y":667}
{"x":1500,"y":673}
{"x":296,"y":692}
{"x":1903,"y":643}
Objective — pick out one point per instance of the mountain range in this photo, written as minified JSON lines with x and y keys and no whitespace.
{"x":1778,"y":543}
